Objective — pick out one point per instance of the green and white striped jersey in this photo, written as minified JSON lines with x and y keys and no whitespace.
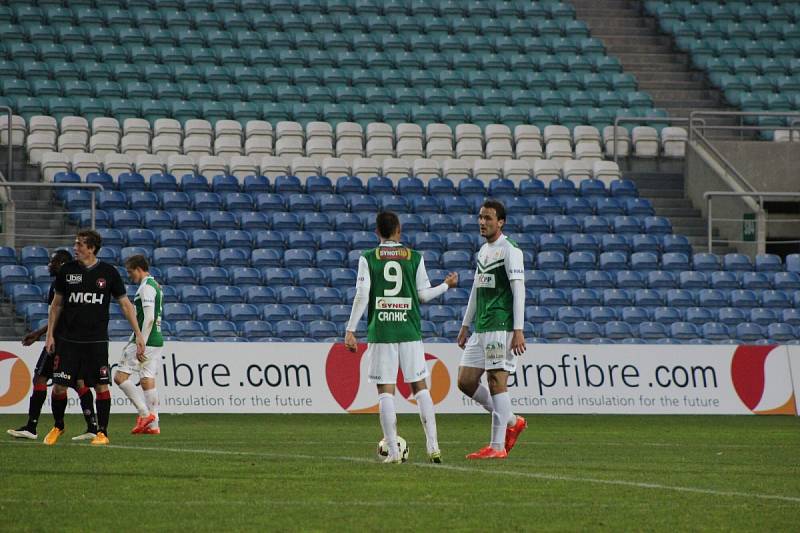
{"x":499,"y":262}
{"x":149,"y":295}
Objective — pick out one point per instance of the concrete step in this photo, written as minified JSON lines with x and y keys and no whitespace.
{"x":690,"y":231}
{"x":690,"y":221}
{"x":635,"y":56}
{"x":648,"y":66}
{"x":616,"y":42}
{"x":657,"y":76}
{"x":678,"y":212}
{"x":661,"y":193}
{"x":693,"y":104}
{"x":653,"y":86}
{"x":580,"y":5}
{"x":672,"y":94}
{"x":611,"y":31}
{"x":671,"y":203}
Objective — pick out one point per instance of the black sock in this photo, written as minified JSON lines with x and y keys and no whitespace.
{"x":59,"y":405}
{"x":87,"y":406}
{"x":35,"y":406}
{"x":103,"y":403}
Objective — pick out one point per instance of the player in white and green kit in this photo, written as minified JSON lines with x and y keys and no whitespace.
{"x":391,"y":283}
{"x":148,"y":303}
{"x":497,"y":308}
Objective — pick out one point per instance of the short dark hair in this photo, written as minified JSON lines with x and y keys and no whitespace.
{"x":91,"y":238}
{"x":62,"y":256}
{"x":137,"y":261}
{"x":386,"y":223}
{"x":498,"y":207}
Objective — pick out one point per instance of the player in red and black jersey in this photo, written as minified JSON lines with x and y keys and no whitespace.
{"x":83,"y":292}
{"x":44,"y":371}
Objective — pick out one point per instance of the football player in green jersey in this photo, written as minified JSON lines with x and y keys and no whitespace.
{"x":497,"y":309}
{"x":391,"y":283}
{"x":148,"y":302}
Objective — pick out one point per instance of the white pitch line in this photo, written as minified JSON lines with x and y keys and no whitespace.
{"x":481,"y":471}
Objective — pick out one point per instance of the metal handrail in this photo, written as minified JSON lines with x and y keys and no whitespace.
{"x":619,"y":120}
{"x":94,"y":188}
{"x":722,"y":159}
{"x":708,"y":195}
{"x":10,"y":113}
{"x":740,"y":115}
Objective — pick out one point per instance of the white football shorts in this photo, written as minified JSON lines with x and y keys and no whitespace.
{"x":147,"y":368}
{"x":490,"y":350}
{"x":386,"y":357}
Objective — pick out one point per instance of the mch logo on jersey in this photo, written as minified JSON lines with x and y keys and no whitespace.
{"x":761,"y":381}
{"x":15,"y":379}
{"x":74,"y":279}
{"x":346,"y":374}
{"x":101,"y":283}
{"x":386,"y":253}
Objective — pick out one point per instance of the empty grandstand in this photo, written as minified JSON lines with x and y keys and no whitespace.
{"x":245,"y":146}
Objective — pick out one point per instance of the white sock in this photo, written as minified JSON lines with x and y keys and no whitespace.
{"x":132,"y":393}
{"x":428,"y":418}
{"x":483,"y":397}
{"x":151,"y":397}
{"x":388,"y":421}
{"x":500,"y":417}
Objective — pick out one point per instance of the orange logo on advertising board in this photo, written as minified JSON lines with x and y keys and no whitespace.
{"x":343,"y":370}
{"x":19,"y":382}
{"x":759,"y":377}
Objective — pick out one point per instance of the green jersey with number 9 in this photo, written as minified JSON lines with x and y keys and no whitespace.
{"x":393,"y":312}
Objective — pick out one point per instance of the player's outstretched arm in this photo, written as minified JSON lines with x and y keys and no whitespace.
{"x":130,"y":315}
{"x":34,"y":335}
{"x":53,"y":315}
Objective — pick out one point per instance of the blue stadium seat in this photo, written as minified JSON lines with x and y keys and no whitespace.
{"x":188,"y":328}
{"x":260,"y":295}
{"x":775,"y":299}
{"x":749,"y":332}
{"x":554,"y":330}
{"x":176,"y":275}
{"x":613,"y":261}
{"x":661,"y":279}
{"x":647,"y":298}
{"x":570,"y":314}
{"x":600,"y":314}
{"x":204,"y":238}
{"x":322,"y":329}
{"x":244,"y":276}
{"x":394,"y":203}
{"x":626,"y":225}
{"x":302,"y":239}
{"x":700,"y":315}
{"x":683,"y":331}
{"x":617,"y":297}
{"x":613,"y":243}
{"x":254,"y":221}
{"x":270,"y":202}
{"x":755,"y":280}
{"x":607,"y":207}
{"x":221,"y":328}
{"x":293,"y":295}
{"x":781,"y":332}
{"x":289,"y":329}
{"x":112,"y":237}
{"x":198,"y":257}
{"x":657,"y":225}
{"x":276,"y":312}
{"x":363,"y":203}
{"x":234,"y":257}
{"x":768,"y":263}
{"x":763,"y":316}
{"x":786,"y":281}
{"x":537,"y":279}
{"x":124,"y":218}
{"x":743,"y":298}
{"x":680,"y":298}
{"x":342,"y":277}
{"x":311,"y":277}
{"x":712,"y":298}
{"x":585,"y":297}
{"x":270,"y":239}
{"x":715,"y":331}
{"x":254,"y":329}
{"x":227,"y":294}
{"x":309,"y":312}
{"x":598,"y":279}
{"x":275,"y":276}
{"x":652,"y":331}
{"x":156,"y":219}
{"x":567,"y":279}
{"x":644,"y":261}
{"x":553,"y":297}
{"x":645,"y":243}
{"x":737,"y":262}
{"x":617,"y":330}
{"x":724,"y":280}
{"x":676,"y":244}
{"x":623,"y":188}
{"x":731,"y":316}
{"x":629,"y":279}
{"x":211,"y":276}
{"x":177,"y":311}
{"x":287,"y":185}
{"x":378,"y":185}
{"x":209,"y":311}
{"x":326,"y":296}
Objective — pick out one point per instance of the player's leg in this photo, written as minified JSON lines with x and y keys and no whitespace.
{"x":383,"y":361}
{"x":42,"y":372}
{"x":502,"y":413}
{"x":151,"y":398}
{"x":66,"y":367}
{"x":415,"y":371}
{"x":470,"y":371}
{"x":87,"y":408}
{"x":147,"y":376}
{"x":127,"y":366}
{"x":96,"y":374}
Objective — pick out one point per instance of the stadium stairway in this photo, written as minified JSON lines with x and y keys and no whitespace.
{"x":34,"y":221}
{"x":664,"y":73}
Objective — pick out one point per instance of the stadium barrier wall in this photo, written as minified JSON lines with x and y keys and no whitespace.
{"x":550,"y":378}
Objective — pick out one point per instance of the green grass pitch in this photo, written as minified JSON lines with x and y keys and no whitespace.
{"x":319,"y":473}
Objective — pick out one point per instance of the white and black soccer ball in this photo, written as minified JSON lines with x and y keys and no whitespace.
{"x":402,"y":446}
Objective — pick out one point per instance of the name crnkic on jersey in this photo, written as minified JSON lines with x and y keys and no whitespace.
{"x":392,"y":309}
{"x":85,"y":298}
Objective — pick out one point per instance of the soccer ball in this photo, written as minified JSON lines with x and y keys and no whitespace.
{"x":402,"y":445}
